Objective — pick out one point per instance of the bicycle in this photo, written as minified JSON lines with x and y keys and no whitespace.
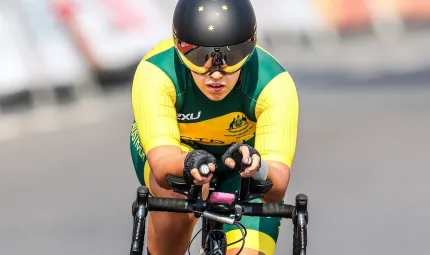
{"x":217,"y":211}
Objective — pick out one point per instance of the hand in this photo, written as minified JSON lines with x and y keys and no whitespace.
{"x":242,"y":154}
{"x":193,"y":161}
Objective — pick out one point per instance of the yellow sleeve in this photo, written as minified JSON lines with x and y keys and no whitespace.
{"x":277,"y":112}
{"x":153,"y":100}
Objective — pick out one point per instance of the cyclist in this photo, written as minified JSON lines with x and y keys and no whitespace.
{"x":202,"y":95}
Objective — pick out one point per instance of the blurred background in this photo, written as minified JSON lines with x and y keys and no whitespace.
{"x":362,"y":71}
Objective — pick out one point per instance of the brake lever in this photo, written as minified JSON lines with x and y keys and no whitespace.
{"x":300,"y":222}
{"x":238,"y":212}
{"x":140,"y":212}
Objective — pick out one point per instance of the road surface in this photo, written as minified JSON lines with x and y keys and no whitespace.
{"x":67,"y":180}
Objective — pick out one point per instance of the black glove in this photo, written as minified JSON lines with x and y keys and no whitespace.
{"x":195,"y":159}
{"x":234,"y":153}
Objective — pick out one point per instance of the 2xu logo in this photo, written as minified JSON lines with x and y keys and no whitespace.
{"x":188,"y":116}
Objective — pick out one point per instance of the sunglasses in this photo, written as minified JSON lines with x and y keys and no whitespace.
{"x":227,"y":59}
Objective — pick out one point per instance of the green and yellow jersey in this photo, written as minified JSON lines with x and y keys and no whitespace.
{"x":262,"y":110}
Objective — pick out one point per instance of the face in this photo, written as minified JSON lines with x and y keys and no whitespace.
{"x":217,"y":85}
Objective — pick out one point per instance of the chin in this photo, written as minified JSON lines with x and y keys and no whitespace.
{"x":215,"y":97}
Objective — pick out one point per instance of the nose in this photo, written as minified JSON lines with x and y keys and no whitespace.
{"x":217,"y":75}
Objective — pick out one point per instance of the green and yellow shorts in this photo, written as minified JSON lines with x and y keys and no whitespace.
{"x":262,"y":232}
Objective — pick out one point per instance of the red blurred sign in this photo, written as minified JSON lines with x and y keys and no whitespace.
{"x":64,"y":9}
{"x":345,"y":14}
{"x":122,"y":14}
{"x":414,"y":9}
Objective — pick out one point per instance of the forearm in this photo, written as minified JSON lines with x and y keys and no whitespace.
{"x":280,"y":177}
{"x":171,"y":162}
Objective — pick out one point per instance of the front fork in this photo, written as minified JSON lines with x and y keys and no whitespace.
{"x":213,"y":237}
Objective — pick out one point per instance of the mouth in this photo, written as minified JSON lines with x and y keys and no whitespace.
{"x":215,"y":87}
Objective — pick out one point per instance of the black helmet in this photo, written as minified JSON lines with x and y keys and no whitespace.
{"x":222,"y":29}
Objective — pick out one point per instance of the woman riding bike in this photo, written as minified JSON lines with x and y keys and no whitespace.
{"x":204,"y":95}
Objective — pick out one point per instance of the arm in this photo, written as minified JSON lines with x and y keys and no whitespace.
{"x":277,"y":114}
{"x":153,"y":99}
{"x":166,"y":160}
